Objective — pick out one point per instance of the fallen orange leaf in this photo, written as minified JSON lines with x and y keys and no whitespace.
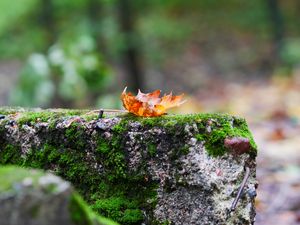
{"x":149,"y":104}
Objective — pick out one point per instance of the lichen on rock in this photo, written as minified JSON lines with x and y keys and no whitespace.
{"x":174,"y":169}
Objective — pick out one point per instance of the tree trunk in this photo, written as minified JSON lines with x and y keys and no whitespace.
{"x":94,"y":11}
{"x":47,"y":21}
{"x":130,"y":54}
{"x":277,"y":23}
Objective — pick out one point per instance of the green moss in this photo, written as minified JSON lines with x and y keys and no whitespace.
{"x":10,"y":154}
{"x":90,"y":117}
{"x":121,"y":127}
{"x":75,"y":134}
{"x":122,"y":208}
{"x":10,"y":175}
{"x":111,"y":154}
{"x":78,"y":211}
{"x":82,"y":215}
{"x":124,"y":200}
{"x":32,"y":117}
{"x":102,"y":146}
{"x":121,"y":195}
{"x":28,"y":117}
{"x":168,"y":121}
{"x":151,"y":149}
{"x":69,"y":163}
{"x":10,"y":110}
{"x":222,"y":126}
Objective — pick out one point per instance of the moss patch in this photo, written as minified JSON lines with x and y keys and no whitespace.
{"x":48,"y":116}
{"x":221,"y":127}
{"x":121,"y":195}
{"x":120,"y":207}
{"x":30,"y":116}
{"x":82,"y":215}
{"x":151,"y":149}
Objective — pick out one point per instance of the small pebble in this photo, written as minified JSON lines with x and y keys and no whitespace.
{"x":102,"y":126}
{"x":27,"y":181}
{"x":252,"y":193}
{"x":12,"y":123}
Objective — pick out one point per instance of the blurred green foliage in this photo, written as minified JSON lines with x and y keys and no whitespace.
{"x":291,"y":51}
{"x":77,"y":42}
{"x":11,"y":14}
{"x":73,"y":74}
{"x":163,"y":24}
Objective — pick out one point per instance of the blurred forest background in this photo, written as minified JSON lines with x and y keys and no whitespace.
{"x":235,"y":56}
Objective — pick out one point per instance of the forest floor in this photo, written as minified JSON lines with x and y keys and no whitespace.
{"x":272,"y":109}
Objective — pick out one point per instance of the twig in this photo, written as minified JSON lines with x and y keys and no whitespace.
{"x":101,"y":111}
{"x":100,"y":116}
{"x":238,"y":196}
{"x":107,"y":110}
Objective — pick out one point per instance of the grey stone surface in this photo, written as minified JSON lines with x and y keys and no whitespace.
{"x":196,"y":189}
{"x":193,"y":187}
{"x":31,"y":197}
{"x":46,"y":204}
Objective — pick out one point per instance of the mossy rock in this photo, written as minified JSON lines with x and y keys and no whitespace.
{"x":33,"y":197}
{"x":127,"y":167}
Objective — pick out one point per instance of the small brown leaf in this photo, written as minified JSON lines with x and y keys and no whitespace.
{"x":277,"y":134}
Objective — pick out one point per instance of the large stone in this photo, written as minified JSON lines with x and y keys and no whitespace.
{"x":174,"y":169}
{"x":31,"y":197}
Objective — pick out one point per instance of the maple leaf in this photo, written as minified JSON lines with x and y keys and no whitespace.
{"x":150,"y":104}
